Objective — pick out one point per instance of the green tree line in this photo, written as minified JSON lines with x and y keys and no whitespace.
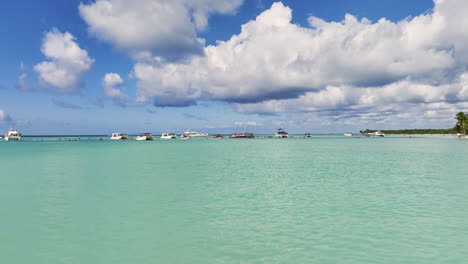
{"x":461,"y":126}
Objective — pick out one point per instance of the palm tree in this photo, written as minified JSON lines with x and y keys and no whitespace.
{"x":462,"y":121}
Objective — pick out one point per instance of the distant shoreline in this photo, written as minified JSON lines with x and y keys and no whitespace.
{"x":450,"y":131}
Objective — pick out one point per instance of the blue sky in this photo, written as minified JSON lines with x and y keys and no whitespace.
{"x":100,"y":66}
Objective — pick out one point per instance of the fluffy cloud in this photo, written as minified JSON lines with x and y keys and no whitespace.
{"x":274,"y":66}
{"x":165,"y":28}
{"x":7,"y":121}
{"x":351,"y":98}
{"x":110,"y":82}
{"x":5,"y":118}
{"x":67,"y":63}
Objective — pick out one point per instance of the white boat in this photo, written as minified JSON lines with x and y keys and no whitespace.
{"x":184,"y":137}
{"x":145,"y":136}
{"x":462,"y":135}
{"x":119,"y":136}
{"x":242,"y":135}
{"x":168,"y":136}
{"x":375,"y":134}
{"x":12,"y":135}
{"x":348,"y":134}
{"x":195,"y":134}
{"x":281,"y":133}
{"x":307,"y":135}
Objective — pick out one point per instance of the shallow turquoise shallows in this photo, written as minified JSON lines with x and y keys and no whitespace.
{"x":327,"y":199}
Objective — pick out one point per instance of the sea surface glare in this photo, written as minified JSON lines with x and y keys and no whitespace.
{"x":327,"y":199}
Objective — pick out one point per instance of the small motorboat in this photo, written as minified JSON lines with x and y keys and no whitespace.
{"x":348,"y":134}
{"x":242,"y":135}
{"x":195,"y":134}
{"x":119,"y":136}
{"x":145,"y":136}
{"x":307,"y":135}
{"x":218,"y":136}
{"x":375,"y":134}
{"x":168,"y":136}
{"x":184,"y":136}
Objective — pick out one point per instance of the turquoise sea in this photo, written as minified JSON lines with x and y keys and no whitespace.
{"x":327,"y":199}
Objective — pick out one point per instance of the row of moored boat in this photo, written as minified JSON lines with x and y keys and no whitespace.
{"x":189,"y":134}
{"x":14,"y":135}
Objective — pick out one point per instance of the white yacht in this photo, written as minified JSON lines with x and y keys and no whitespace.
{"x":145,"y":136}
{"x":348,"y":134}
{"x":168,"y":136}
{"x":195,"y":134}
{"x":119,"y":136}
{"x":12,"y":135}
{"x":242,"y":135}
{"x":281,"y":133}
{"x":375,"y":134}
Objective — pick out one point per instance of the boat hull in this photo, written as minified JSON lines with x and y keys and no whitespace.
{"x":144,"y":138}
{"x":12,"y":138}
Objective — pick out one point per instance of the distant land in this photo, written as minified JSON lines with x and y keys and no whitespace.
{"x":460,"y":127}
{"x":414,"y":131}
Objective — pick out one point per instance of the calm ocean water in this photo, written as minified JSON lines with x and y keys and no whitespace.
{"x":320,"y":200}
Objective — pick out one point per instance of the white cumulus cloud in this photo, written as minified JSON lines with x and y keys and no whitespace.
{"x":351,"y":72}
{"x":110,"y":83}
{"x":112,"y":87}
{"x":335,"y":63}
{"x":166,"y":28}
{"x":67,"y":63}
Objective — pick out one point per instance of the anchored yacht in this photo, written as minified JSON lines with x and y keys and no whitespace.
{"x":242,"y":135}
{"x":12,"y":135}
{"x":168,"y":136}
{"x":348,"y":134}
{"x":375,"y":134}
{"x":281,"y":134}
{"x":195,"y":134}
{"x":119,"y":136}
{"x":145,"y":136}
